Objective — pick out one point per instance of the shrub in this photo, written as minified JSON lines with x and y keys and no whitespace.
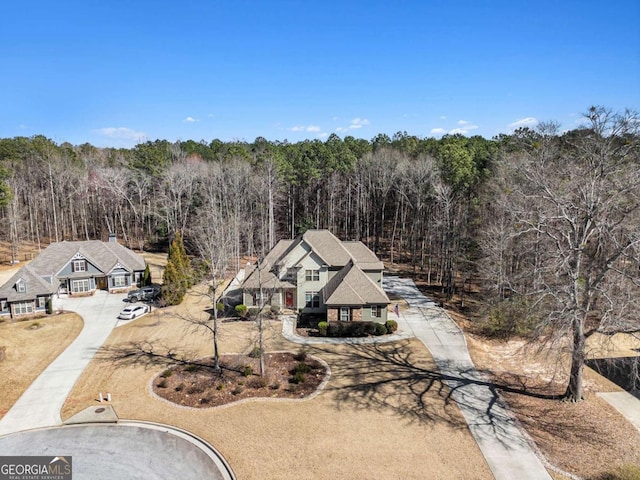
{"x":220,"y":386}
{"x":194,"y":389}
{"x":511,"y":317}
{"x":205,"y":400}
{"x":297,"y":378}
{"x":49,"y":306}
{"x":350,"y":329}
{"x":252,"y":312}
{"x":275,"y":385}
{"x":162,"y":383}
{"x":180,"y":387}
{"x":220,"y":307}
{"x":274,"y":310}
{"x":237,"y":390}
{"x":241,"y":310}
{"x":301,"y":356}
{"x":257,"y":382}
{"x":392,"y":326}
{"x":323,"y":328}
{"x":167,"y":373}
{"x":255,"y":352}
{"x":301,"y":367}
{"x":192,"y":367}
{"x":380,"y":329}
{"x":247,"y":371}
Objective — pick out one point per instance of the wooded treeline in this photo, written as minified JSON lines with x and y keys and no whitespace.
{"x":548,"y":220}
{"x":410,"y":199}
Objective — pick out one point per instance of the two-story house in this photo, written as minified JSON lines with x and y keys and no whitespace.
{"x":318,"y":273}
{"x":74,"y":268}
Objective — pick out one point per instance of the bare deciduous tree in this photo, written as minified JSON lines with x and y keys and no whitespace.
{"x":574,"y":206}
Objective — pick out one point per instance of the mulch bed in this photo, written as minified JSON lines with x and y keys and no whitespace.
{"x":198,"y":385}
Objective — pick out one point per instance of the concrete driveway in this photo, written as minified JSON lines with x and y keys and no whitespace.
{"x":503,"y":445}
{"x":40,"y":405}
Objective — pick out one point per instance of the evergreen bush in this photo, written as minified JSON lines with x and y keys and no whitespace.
{"x":380,"y":329}
{"x":392,"y":326}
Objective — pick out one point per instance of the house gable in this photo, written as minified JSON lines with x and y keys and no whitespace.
{"x":21,"y":286}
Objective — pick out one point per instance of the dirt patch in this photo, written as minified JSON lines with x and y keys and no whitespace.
{"x":287,"y":375}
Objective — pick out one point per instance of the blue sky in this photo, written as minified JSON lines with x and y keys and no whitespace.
{"x":117,"y":73}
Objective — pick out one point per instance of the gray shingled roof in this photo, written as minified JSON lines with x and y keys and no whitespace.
{"x":36,"y":285}
{"x":362,"y":256}
{"x":104,"y":255}
{"x":351,"y":286}
{"x":327,"y":246}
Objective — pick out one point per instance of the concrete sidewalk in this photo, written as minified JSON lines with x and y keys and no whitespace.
{"x":503,"y":445}
{"x":40,"y":405}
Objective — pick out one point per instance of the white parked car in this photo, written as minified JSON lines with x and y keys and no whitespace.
{"x":133,"y":312}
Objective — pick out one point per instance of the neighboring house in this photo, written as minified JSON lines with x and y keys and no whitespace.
{"x":75,"y":268}
{"x":318,"y":273}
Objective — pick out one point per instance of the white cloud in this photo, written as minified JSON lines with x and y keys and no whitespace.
{"x":354,"y":124}
{"x":359,"y":122}
{"x":465,"y":127}
{"x":524,"y":122}
{"x":323,"y":135}
{"x":438,"y":131}
{"x":121,"y":133}
{"x":443,"y":117}
{"x":305,"y":128}
{"x":189,"y":120}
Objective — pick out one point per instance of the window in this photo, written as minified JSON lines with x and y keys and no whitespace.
{"x":312,"y":275}
{"x":345,"y":314}
{"x":41,"y":302}
{"x":21,"y":286}
{"x":79,"y":286}
{"x":375,"y":311}
{"x":119,"y":281}
{"x":79,"y":266}
{"x":22,"y":308}
{"x":258,"y":300}
{"x":312,"y":299}
{"x":3,"y":305}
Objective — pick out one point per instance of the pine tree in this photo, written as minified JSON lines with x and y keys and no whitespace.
{"x":146,"y":277}
{"x":178,"y":275}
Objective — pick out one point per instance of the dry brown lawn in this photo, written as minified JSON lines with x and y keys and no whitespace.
{"x":31,"y":345}
{"x":383,"y":414}
{"x":591,"y":438}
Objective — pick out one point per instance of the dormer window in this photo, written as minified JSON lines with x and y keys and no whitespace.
{"x":21,"y":286}
{"x":79,"y":266}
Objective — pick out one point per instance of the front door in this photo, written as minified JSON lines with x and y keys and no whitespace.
{"x":101,"y":283}
{"x":288,"y":299}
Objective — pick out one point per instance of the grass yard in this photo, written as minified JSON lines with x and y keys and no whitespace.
{"x":383,"y":413}
{"x":31,"y":345}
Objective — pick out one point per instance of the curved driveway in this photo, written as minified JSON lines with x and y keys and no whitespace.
{"x":503,"y":445}
{"x":40,"y":405}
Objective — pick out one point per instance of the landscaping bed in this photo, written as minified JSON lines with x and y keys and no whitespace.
{"x":198,"y":385}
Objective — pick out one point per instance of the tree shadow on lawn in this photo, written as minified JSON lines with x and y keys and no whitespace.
{"x":147,"y":354}
{"x":388,"y":377}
